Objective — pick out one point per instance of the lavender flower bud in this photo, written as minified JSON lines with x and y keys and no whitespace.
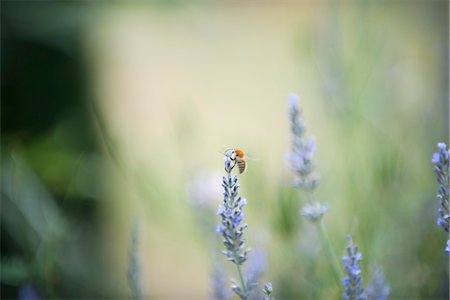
{"x":237,"y":289}
{"x":314,"y":211}
{"x":267,"y":291}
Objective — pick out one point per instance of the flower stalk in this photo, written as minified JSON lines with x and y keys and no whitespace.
{"x":441,"y":163}
{"x":331,"y":253}
{"x":232,"y":227}
{"x":301,"y":161}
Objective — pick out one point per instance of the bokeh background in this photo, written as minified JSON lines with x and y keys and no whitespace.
{"x":117,"y":113}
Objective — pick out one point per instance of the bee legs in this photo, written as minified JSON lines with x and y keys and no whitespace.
{"x":234,"y":164}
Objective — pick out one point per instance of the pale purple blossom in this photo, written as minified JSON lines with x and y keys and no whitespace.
{"x":301,"y":155}
{"x":232,"y":227}
{"x":314,"y":211}
{"x":28,"y":292}
{"x":377,"y":289}
{"x":219,"y":283}
{"x":440,"y":159}
{"x":255,"y":270}
{"x":204,"y":190}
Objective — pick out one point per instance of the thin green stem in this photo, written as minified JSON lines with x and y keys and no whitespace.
{"x":244,"y":286}
{"x":331,"y":253}
{"x":309,"y":196}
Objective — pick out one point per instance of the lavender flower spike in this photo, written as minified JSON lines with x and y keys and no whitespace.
{"x":377,"y":289}
{"x":353,"y":283}
{"x":441,"y":161}
{"x":301,"y":154}
{"x":255,"y":270}
{"x":219,"y":292}
{"x":314,"y":211}
{"x":231,"y":226}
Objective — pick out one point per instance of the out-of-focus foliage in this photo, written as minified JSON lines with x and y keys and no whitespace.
{"x":51,"y":168}
{"x":113,"y":109}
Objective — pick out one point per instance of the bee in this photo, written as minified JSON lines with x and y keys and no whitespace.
{"x":239,"y":159}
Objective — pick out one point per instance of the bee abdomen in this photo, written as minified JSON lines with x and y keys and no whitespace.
{"x":242,"y":165}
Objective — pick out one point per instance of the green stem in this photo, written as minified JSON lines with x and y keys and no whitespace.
{"x":244,"y":286}
{"x":331,"y":253}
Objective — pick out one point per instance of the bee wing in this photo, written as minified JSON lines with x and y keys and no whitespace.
{"x":250,"y":157}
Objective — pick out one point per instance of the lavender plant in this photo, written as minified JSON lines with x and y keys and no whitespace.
{"x":303,"y":148}
{"x":440,"y":160}
{"x":255,"y":270}
{"x":377,"y":289}
{"x":231,"y":227}
{"x":232,"y":230}
{"x":301,"y":161}
{"x":353,"y":282}
{"x":202,"y":193}
{"x":218,"y":276}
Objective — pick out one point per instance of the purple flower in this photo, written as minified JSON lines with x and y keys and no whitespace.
{"x":353,"y":283}
{"x":219,"y":228}
{"x":232,"y":229}
{"x":293,"y":101}
{"x":435,"y":158}
{"x":267,"y":290}
{"x":203,"y":191}
{"x":440,"y":160}
{"x":28,"y":292}
{"x":442,"y":146}
{"x":255,"y":270}
{"x":377,"y":289}
{"x":232,"y":216}
{"x":301,"y":155}
{"x":218,"y":278}
{"x":314,"y":211}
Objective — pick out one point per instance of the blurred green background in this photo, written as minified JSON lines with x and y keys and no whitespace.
{"x":120,"y":111}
